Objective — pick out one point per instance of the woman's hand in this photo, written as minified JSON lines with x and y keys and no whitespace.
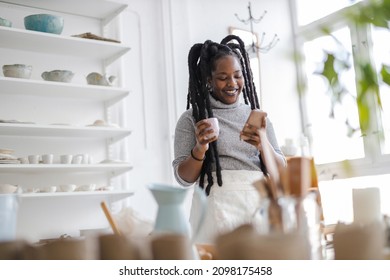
{"x":204,"y":134}
{"x":255,"y":125}
{"x":250,"y":134}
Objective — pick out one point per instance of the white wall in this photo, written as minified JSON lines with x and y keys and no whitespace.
{"x":160,"y":42}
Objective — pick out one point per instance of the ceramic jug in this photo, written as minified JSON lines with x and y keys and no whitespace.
{"x":9,"y":204}
{"x":170,"y":215}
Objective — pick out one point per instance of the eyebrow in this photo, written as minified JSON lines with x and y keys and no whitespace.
{"x":224,"y":73}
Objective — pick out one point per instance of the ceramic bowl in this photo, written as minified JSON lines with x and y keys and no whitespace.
{"x":5,"y":22}
{"x":44,"y":23}
{"x":49,"y":189}
{"x":67,"y":188}
{"x":7,"y":188}
{"x":17,"y":71}
{"x":86,"y":188}
{"x":64,"y":76}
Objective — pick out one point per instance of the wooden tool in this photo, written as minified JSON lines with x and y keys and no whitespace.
{"x":110,"y":218}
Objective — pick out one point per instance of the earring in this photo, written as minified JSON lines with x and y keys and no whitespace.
{"x":209,"y":88}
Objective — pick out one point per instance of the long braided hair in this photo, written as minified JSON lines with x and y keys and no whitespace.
{"x":201,"y":63}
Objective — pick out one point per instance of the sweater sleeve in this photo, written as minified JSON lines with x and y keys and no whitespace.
{"x":183,"y":143}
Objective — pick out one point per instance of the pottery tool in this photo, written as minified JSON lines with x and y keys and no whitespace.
{"x":274,"y":191}
{"x":110,"y":218}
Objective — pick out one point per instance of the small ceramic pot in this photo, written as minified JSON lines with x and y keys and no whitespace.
{"x":17,"y":71}
{"x":64,"y":76}
{"x":5,"y":22}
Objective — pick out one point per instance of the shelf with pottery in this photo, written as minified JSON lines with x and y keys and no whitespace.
{"x":26,"y":40}
{"x":90,"y":8}
{"x":58,"y":89}
{"x":112,"y":196}
{"x":113,"y":169}
{"x":66,"y":47}
{"x":34,"y":130}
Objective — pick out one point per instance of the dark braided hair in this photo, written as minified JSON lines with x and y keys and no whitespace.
{"x":201,"y":63}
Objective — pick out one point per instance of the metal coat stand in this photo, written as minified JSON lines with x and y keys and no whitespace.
{"x":258,"y":46}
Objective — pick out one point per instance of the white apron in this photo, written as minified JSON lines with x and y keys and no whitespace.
{"x":228,"y":206}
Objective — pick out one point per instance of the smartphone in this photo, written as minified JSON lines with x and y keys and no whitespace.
{"x":256,"y":118}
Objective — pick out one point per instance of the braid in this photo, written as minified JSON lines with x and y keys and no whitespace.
{"x":201,"y":60}
{"x":249,"y":91}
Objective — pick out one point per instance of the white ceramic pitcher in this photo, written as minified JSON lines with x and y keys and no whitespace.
{"x":9,"y":204}
{"x":170,"y":215}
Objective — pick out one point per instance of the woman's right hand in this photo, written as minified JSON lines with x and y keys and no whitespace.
{"x":204,"y":134}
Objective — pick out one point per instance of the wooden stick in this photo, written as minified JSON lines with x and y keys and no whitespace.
{"x":110,"y":218}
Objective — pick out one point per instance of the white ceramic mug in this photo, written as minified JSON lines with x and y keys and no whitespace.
{"x":34,"y":159}
{"x":214,"y":125}
{"x":77,"y":159}
{"x":47,"y":159}
{"x":84,"y":158}
{"x":24,"y":160}
{"x":66,"y":159}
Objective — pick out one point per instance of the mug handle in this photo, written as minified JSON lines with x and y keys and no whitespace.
{"x":203,"y":201}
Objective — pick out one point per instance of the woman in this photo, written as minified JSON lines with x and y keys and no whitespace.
{"x":218,"y":73}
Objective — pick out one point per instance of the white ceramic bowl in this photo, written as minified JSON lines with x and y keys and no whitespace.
{"x":8,"y":188}
{"x":86,"y":188}
{"x":17,"y":71}
{"x":49,"y":189}
{"x":67,"y":188}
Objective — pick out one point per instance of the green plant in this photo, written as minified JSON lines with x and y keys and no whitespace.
{"x":376,"y":13}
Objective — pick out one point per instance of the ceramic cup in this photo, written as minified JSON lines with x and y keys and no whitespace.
{"x":34,"y":159}
{"x":47,"y":159}
{"x":66,"y":159}
{"x":84,"y":158}
{"x":23,"y":160}
{"x":214,"y":125}
{"x":77,"y":159}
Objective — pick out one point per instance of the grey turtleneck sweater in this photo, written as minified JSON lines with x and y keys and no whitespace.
{"x":234,"y":154}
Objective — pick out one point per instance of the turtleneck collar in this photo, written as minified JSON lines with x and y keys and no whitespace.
{"x":219,"y":105}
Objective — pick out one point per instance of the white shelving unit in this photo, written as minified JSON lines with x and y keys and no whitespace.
{"x":33,"y":130}
{"x":56,"y":90}
{"x":32,"y":137}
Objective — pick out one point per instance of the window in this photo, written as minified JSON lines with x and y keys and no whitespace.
{"x":381,"y":55}
{"x":326,"y":131}
{"x":309,"y":10}
{"x":330,"y":138}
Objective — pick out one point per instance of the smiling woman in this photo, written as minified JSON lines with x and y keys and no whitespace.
{"x":219,"y":74}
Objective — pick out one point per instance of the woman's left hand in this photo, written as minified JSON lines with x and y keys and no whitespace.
{"x":250,"y":134}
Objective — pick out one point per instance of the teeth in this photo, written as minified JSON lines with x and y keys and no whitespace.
{"x":230,"y":91}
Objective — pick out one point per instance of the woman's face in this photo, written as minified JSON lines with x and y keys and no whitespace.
{"x":226,"y":79}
